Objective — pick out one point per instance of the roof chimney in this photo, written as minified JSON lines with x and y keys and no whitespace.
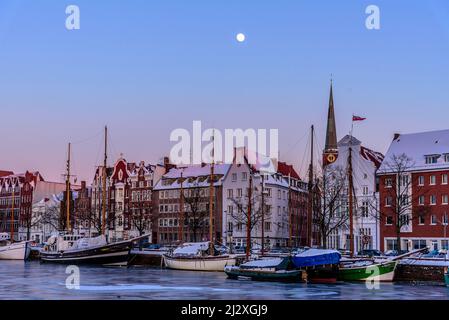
{"x":396,"y":136}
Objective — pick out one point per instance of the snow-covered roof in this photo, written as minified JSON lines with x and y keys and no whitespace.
{"x":192,"y":176}
{"x":417,"y":146}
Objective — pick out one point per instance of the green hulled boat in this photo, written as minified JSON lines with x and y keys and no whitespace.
{"x":277,"y":269}
{"x":367,"y":270}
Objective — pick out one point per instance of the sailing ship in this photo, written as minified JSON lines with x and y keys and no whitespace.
{"x":10,"y":250}
{"x":68,"y":248}
{"x":362,"y":269}
{"x":200,"y":256}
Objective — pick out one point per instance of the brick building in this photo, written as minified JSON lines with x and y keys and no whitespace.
{"x":22,"y":190}
{"x":422,"y":184}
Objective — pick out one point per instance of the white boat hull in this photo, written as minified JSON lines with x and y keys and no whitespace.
{"x":15,"y":251}
{"x":200,"y":263}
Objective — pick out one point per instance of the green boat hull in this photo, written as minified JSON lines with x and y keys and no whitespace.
{"x":378,"y":271}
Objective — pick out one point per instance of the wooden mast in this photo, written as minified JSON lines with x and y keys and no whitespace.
{"x":310,"y":189}
{"x":263,"y":214}
{"x":12,"y":212}
{"x":351,"y":201}
{"x":211,"y":203}
{"x":67,"y":203}
{"x":103,"y":211}
{"x":248,"y":217}
{"x":181,"y":212}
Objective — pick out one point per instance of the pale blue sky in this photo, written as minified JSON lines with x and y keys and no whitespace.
{"x":148,"y":67}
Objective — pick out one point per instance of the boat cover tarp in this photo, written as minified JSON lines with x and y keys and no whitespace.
{"x":275,"y":263}
{"x":316,"y":257}
{"x":191,"y":249}
{"x":85,"y":243}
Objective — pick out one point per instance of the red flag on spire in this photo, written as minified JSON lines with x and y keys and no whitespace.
{"x":357,"y":118}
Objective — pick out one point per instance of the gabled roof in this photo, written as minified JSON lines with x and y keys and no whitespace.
{"x":287,"y":170}
{"x":419,"y":145}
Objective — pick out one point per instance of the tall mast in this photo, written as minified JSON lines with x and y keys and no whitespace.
{"x":248,"y":217}
{"x":351,"y":201}
{"x":263,"y":213}
{"x":310,"y":189}
{"x":290,"y":211}
{"x":211,"y":199}
{"x":67,"y":203}
{"x":103,"y":211}
{"x":12,"y":211}
{"x":181,"y":211}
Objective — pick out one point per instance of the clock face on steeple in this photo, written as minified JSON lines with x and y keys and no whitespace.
{"x":329,"y":158}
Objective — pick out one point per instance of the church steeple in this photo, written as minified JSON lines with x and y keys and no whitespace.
{"x":331,"y":148}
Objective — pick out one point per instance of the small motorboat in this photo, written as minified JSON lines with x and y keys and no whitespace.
{"x":13,"y":250}
{"x":274,"y":269}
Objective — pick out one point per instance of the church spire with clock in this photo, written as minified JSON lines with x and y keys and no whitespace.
{"x":330,"y":153}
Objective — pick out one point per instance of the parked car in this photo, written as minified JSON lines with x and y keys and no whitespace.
{"x":394,"y":253}
{"x":370,"y":253}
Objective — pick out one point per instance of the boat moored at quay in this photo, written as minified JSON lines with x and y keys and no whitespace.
{"x":13,"y":250}
{"x":196,"y":256}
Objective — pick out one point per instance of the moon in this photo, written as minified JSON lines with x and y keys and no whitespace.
{"x":240,"y":37}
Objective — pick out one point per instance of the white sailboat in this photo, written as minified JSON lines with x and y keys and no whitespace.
{"x":200,"y":256}
{"x":195,"y":256}
{"x":13,"y":250}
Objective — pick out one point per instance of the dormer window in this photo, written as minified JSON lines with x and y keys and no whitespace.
{"x":432,"y":159}
{"x":446,"y":157}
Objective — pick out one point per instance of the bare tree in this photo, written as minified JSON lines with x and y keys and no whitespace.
{"x":258,"y":212}
{"x":139,"y":220}
{"x":330,"y":202}
{"x":399,"y":199}
{"x":196,"y":211}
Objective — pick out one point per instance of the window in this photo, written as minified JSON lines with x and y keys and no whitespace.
{"x":239,"y":193}
{"x":388,"y":183}
{"x":433,"y":200}
{"x":446,"y":157}
{"x":230,"y":209}
{"x":421,"y":220}
{"x":234,"y":177}
{"x":279,"y":194}
{"x":421,"y":180}
{"x":230,"y":193}
{"x":365,"y":209}
{"x":267,"y":226}
{"x":419,"y":244}
{"x":433,"y":219}
{"x":445,"y":199}
{"x":433,"y":180}
{"x":244,"y":176}
{"x":365,"y":190}
{"x":388,"y":201}
{"x":421,"y":200}
{"x":432,"y":159}
{"x":230,"y":226}
{"x":445,"y":219}
{"x":445,"y":244}
{"x":444,"y":179}
{"x":389,"y":221}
